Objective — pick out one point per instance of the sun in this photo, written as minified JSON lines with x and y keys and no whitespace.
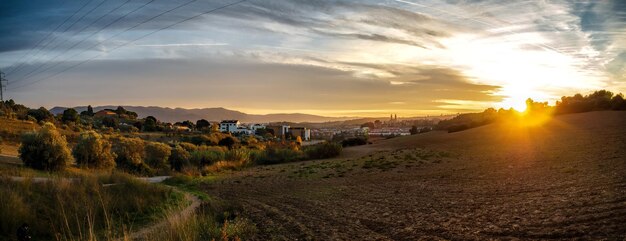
{"x":519,"y":104}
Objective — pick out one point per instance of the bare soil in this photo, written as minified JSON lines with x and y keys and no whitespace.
{"x":563,"y":180}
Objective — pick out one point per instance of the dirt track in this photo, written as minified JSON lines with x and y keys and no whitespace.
{"x":565,"y":180}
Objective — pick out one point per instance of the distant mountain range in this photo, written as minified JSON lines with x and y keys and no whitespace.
{"x":211,"y":114}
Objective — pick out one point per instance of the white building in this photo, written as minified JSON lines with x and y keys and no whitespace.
{"x":229,"y":126}
{"x":256,"y":127}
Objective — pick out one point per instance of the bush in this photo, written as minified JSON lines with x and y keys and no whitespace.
{"x":41,"y":114}
{"x":324,"y":150}
{"x":188,"y":146}
{"x":93,"y":151}
{"x":275,"y":155}
{"x":45,"y":149}
{"x":228,"y":141}
{"x":179,"y":158}
{"x":129,"y":151}
{"x":207,"y":156}
{"x":157,"y":154}
{"x":238,"y":155}
{"x":355,"y":141}
{"x":70,"y":116}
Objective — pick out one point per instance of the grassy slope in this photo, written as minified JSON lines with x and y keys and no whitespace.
{"x":562,"y":180}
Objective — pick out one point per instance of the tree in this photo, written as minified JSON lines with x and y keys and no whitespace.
{"x":157,"y":154}
{"x":93,"y":151}
{"x":45,"y":149}
{"x":228,"y":141}
{"x":70,"y":116}
{"x":179,"y":158}
{"x":88,"y":112}
{"x":129,"y":152}
{"x":41,"y":114}
{"x":150,"y":124}
{"x":414,"y":130}
{"x":110,"y":121}
{"x":618,"y":103}
{"x":202,"y":124}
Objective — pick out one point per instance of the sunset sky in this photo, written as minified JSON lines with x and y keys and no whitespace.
{"x":332,"y":58}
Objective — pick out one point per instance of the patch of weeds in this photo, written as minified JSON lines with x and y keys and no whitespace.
{"x":190,"y":184}
{"x":383,"y":165}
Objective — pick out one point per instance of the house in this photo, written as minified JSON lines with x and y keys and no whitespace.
{"x":181,"y":128}
{"x":104,"y":113}
{"x":243,"y":130}
{"x":256,"y":127}
{"x":278,"y":131}
{"x":229,"y":126}
{"x":302,"y":132}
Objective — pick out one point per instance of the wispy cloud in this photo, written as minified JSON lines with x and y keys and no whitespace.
{"x":181,"y":45}
{"x":366,"y":55}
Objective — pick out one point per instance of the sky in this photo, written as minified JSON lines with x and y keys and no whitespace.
{"x":331,"y":58}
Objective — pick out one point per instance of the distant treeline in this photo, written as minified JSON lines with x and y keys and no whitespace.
{"x":597,"y":101}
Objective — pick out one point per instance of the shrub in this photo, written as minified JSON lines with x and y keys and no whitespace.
{"x":157,"y":154}
{"x":129,"y":151}
{"x":210,"y":140}
{"x":41,"y":114}
{"x":188,"y":146}
{"x":93,"y":151}
{"x":179,"y":158}
{"x":355,"y":141}
{"x":228,"y":141}
{"x":70,"y":116}
{"x":324,"y":150}
{"x":45,"y":149}
{"x":206,"y":156}
{"x":275,"y":155}
{"x":238,"y":155}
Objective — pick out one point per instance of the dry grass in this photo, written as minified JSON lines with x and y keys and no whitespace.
{"x":81,"y":209}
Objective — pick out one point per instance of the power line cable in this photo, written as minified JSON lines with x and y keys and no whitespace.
{"x":118,"y":34}
{"x":77,"y":43}
{"x":66,"y":29}
{"x":129,"y":42}
{"x":46,"y":37}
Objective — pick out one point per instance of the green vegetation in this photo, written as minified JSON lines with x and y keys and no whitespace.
{"x":70,"y":116}
{"x":157,"y":154}
{"x":93,"y":151}
{"x":130,"y":154}
{"x":45,"y":149}
{"x":179,"y":158}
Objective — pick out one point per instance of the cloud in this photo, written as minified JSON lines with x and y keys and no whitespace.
{"x":244,"y":83}
{"x":346,"y":54}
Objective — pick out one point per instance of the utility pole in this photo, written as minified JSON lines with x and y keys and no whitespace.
{"x":2,"y":85}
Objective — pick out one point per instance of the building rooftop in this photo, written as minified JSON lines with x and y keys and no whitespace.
{"x":229,"y":121}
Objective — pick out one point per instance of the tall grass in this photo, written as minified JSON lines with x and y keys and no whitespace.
{"x":82,"y":208}
{"x":212,"y":221}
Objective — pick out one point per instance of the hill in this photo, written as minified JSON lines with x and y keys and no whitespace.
{"x":562,"y":180}
{"x":212,"y":114}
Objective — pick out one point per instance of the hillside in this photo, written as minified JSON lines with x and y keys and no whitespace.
{"x":211,"y":114}
{"x":562,"y":180}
